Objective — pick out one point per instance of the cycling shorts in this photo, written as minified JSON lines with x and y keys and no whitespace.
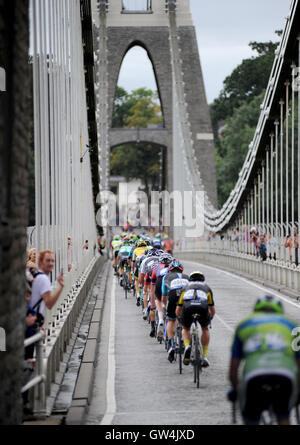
{"x":158,"y":285}
{"x":123,"y":260}
{"x":261,"y":392}
{"x":173,"y":298}
{"x":147,"y":279}
{"x":194,"y":307}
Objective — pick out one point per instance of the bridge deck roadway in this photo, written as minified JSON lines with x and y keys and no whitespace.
{"x":142,"y":387}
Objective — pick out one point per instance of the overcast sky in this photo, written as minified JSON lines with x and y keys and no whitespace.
{"x":224,"y":29}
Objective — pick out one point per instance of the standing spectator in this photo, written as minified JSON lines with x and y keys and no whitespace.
{"x":69,"y":254}
{"x":288,"y":244}
{"x":254,"y":239}
{"x":43,"y":296}
{"x":296,"y":245}
{"x":262,"y":247}
{"x":271,"y":246}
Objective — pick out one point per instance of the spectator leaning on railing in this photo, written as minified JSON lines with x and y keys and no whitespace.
{"x":43,"y":296}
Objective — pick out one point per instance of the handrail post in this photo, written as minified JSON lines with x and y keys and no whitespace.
{"x":39,"y":403}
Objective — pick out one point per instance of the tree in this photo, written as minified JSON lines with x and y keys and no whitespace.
{"x":137,"y":109}
{"x":137,"y":161}
{"x":237,"y":109}
{"x":246,"y":81}
{"x":234,"y":145}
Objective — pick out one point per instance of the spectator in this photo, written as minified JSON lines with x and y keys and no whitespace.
{"x":271,"y":246}
{"x":262,"y":247}
{"x":288,"y":244}
{"x":31,"y":258}
{"x":101,"y":245}
{"x":69,"y":254}
{"x":296,"y":245}
{"x":254,"y":239}
{"x":43,"y":296}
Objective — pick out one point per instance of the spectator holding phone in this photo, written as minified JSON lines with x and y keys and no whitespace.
{"x":43,"y":296}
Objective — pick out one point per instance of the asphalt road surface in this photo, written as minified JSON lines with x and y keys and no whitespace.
{"x":134,"y":382}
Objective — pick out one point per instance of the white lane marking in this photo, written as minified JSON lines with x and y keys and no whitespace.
{"x":249,"y":282}
{"x":224,"y":323}
{"x":111,"y":367}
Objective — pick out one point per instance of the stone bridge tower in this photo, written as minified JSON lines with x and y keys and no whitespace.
{"x":124,"y":24}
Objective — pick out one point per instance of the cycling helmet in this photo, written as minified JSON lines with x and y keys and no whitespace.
{"x":153,"y":252}
{"x":268,"y":303}
{"x":142,"y":244}
{"x":197,"y":276}
{"x":176,"y":265}
{"x":156,"y":243}
{"x":126,"y":242}
{"x":165,"y":258}
{"x":116,"y":237}
{"x":157,"y":236}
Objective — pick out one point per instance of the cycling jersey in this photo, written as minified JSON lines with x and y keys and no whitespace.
{"x":265,"y":342}
{"x":138,"y":251}
{"x":168,"y":279}
{"x":159,"y":269}
{"x":125,"y":251}
{"x":197,"y":291}
{"x":116,"y":245}
{"x":147,"y":264}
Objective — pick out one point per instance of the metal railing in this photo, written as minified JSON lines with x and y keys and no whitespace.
{"x":38,"y":381}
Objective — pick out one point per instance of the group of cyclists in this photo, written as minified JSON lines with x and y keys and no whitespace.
{"x":162,"y":288}
{"x":263,"y":341}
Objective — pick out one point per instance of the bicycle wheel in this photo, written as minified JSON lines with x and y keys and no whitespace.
{"x":181,"y":349}
{"x":197,"y":361}
{"x":166,"y":335}
{"x":125,"y":284}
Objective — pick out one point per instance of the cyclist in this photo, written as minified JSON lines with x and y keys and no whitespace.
{"x":197,"y":298}
{"x":145,"y":273}
{"x":123,"y":257}
{"x":170,"y":299}
{"x":115,"y":246}
{"x":156,"y":281}
{"x":271,"y":373}
{"x":135,"y":263}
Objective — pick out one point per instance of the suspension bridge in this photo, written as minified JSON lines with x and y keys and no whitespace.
{"x":76,"y":48}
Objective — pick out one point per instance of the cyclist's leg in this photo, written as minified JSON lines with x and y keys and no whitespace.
{"x":172,"y":322}
{"x":283,"y":398}
{"x":152,"y":311}
{"x":159,"y":308}
{"x":252,"y":400}
{"x":120,"y":261}
{"x":186,"y":318}
{"x":205,"y":338}
{"x":145,"y":299}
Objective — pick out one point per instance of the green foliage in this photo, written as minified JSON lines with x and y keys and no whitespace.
{"x":237,"y":107}
{"x":137,"y":161}
{"x":137,"y":109}
{"x":234,"y":144}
